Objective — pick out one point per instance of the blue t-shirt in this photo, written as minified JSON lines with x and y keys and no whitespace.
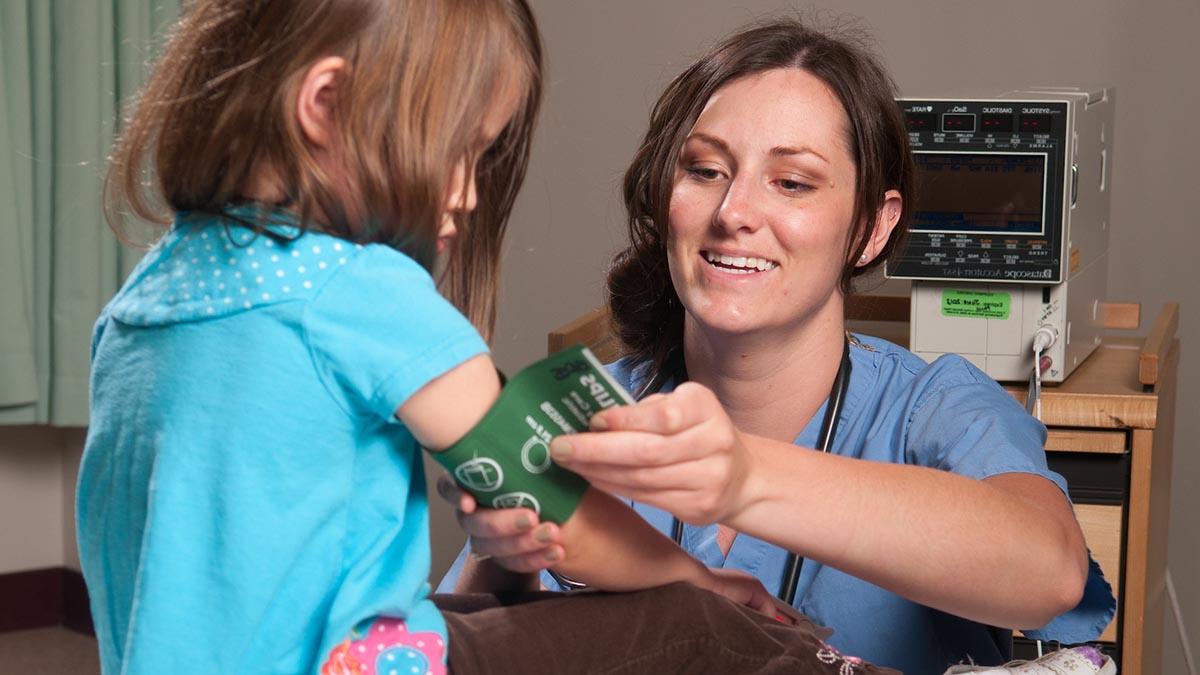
{"x":947,"y":415}
{"x":246,"y":495}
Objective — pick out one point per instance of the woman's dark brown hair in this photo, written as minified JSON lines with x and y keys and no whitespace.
{"x":219,"y":108}
{"x":646,"y":311}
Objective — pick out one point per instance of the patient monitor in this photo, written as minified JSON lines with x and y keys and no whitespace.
{"x":1008,"y":251}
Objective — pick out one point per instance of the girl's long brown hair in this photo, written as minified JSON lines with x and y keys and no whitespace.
{"x":219,"y":106}
{"x":646,"y":310}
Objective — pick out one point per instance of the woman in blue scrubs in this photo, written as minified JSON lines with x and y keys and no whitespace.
{"x":775,"y":170}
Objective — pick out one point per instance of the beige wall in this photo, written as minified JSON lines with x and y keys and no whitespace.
{"x":33,"y":506}
{"x":609,"y":60}
{"x":71,"y":443}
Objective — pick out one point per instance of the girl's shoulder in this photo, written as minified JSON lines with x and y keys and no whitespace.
{"x":208,"y":266}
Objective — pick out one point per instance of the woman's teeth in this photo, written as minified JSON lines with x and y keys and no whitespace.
{"x":739,"y":264}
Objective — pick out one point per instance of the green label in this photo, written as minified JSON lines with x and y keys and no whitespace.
{"x":976,"y":304}
{"x":504,"y":461}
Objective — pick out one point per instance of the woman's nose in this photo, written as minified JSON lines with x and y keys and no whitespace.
{"x":737,"y":210}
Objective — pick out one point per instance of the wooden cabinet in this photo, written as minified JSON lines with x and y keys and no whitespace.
{"x":1102,"y":527}
{"x":1111,"y":436}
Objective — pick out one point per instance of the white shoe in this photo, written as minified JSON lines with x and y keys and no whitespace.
{"x":1073,"y":661}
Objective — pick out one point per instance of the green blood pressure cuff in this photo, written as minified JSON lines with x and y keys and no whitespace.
{"x":504,"y":461}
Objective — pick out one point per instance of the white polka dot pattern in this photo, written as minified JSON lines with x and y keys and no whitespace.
{"x":204,"y":270}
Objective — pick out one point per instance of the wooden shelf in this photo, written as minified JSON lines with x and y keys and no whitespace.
{"x":1104,"y":391}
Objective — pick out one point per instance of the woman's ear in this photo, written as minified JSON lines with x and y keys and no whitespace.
{"x":315,"y":103}
{"x":885,"y":221}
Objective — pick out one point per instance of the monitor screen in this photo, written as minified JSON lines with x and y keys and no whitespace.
{"x":980,"y":192}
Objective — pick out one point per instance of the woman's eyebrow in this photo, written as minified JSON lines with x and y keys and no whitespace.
{"x":788,"y":151}
{"x":710,"y":140}
{"x":777,"y":151}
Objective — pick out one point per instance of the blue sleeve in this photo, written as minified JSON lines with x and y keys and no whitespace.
{"x":1089,"y":618}
{"x":965,"y":423}
{"x":380,"y":331}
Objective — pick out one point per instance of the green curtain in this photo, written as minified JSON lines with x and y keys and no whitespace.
{"x":65,"y":68}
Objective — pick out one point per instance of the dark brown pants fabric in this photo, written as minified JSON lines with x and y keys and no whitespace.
{"x":672,"y":629}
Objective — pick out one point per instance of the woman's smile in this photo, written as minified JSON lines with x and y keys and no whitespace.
{"x":738,"y":263}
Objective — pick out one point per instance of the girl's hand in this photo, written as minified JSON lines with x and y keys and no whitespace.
{"x":677,"y":451}
{"x":743,"y":589}
{"x":511,"y":538}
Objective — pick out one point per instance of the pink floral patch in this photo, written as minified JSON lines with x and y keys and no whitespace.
{"x":387,"y":648}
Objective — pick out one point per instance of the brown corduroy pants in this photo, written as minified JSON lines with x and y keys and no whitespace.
{"x":674,"y":629}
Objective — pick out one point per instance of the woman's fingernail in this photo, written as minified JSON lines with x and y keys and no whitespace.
{"x":598,"y":423}
{"x":542,"y":534}
{"x":560,"y":448}
{"x":523,"y":523}
{"x":552,"y":555}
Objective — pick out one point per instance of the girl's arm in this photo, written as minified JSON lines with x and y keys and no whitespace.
{"x":606,"y":544}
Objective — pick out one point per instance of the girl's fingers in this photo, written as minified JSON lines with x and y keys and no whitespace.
{"x":455,"y":496}
{"x":493,"y":523}
{"x":536,"y":541}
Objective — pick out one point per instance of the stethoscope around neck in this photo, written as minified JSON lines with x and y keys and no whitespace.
{"x":674,"y":367}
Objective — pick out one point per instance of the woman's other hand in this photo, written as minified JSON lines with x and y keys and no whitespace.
{"x":510,"y":538}
{"x":677,"y":451}
{"x":743,"y":589}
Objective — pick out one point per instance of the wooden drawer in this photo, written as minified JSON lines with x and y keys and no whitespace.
{"x":1086,"y":440}
{"x":1101,"y":525}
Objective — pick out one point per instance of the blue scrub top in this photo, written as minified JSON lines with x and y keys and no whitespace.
{"x":946,"y":415}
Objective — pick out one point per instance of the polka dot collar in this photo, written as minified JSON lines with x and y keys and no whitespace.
{"x":206,"y":267}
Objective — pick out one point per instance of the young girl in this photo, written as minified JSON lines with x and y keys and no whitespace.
{"x":251,"y":497}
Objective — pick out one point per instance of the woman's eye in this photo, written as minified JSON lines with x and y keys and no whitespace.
{"x":703,"y":172}
{"x":790,"y":185}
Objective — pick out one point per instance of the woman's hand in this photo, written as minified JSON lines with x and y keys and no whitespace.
{"x":677,"y":451}
{"x":510,"y":538}
{"x":743,"y":589}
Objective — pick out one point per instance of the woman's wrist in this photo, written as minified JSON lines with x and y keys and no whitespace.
{"x":695,"y":573}
{"x":752,"y":487}
{"x":769,"y":486}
